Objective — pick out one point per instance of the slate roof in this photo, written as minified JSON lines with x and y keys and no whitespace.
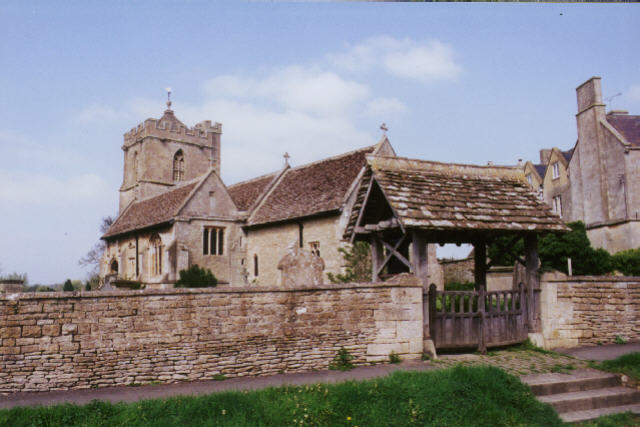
{"x":541,"y":169}
{"x":567,"y":154}
{"x":244,"y":194}
{"x":628,"y":126}
{"x":149,"y":212}
{"x":311,"y":189}
{"x":439,"y":196}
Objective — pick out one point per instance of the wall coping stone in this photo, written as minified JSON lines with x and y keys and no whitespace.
{"x":634,"y":279}
{"x":406,"y":283}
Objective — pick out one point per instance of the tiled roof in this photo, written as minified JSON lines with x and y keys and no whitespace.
{"x":541,"y":169}
{"x":439,"y":196}
{"x":245,"y":193}
{"x":149,"y":212}
{"x":311,"y":189}
{"x":628,"y":126}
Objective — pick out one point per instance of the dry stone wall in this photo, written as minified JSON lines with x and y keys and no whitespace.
{"x":96,"y":339}
{"x":586,"y":310}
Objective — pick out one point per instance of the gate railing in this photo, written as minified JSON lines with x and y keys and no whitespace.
{"x":480,"y":319}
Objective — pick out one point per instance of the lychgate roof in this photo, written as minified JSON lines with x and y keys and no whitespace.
{"x":439,"y":196}
{"x":153,"y":211}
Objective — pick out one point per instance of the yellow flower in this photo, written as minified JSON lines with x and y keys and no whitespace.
{"x":348,"y":418}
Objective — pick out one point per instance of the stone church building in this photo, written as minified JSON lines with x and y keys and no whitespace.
{"x":175,"y":211}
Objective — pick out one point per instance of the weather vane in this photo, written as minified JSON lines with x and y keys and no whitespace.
{"x":168,"y":89}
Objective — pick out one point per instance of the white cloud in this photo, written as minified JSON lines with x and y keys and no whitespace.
{"x":26,"y":188}
{"x":424,"y":62}
{"x":385,"y":106}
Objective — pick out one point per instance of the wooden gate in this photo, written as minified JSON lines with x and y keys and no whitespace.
{"x":463,"y":319}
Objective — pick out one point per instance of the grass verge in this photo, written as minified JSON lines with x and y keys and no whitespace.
{"x":629,"y":364}
{"x":469,"y":396}
{"x":626,"y":419}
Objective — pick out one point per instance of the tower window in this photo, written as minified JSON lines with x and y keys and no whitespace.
{"x":178,"y":166}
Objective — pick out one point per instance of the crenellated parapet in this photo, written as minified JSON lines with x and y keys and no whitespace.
{"x":169,"y":127}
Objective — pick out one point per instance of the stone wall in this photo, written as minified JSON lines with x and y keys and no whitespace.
{"x":97,"y":339}
{"x":458,"y":271}
{"x":587,"y":310}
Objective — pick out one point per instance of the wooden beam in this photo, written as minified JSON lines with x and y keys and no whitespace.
{"x":393,"y":251}
{"x":480,"y":262}
{"x":376,"y":257}
{"x":531,"y":274}
{"x":419,"y":256}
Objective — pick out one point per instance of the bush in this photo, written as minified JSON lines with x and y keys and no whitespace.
{"x":342,"y":361}
{"x":68,"y":286}
{"x":357,"y":264}
{"x":196,"y":277}
{"x":627,"y":262}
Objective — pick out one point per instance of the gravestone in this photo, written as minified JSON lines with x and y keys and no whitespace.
{"x":300,"y":267}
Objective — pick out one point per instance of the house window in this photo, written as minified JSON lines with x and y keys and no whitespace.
{"x":529,"y":179}
{"x":178,"y":166}
{"x":213,"y":241}
{"x":315,"y":248}
{"x":556,"y":170}
{"x":557,"y":205}
{"x":255,"y":265}
{"x":156,"y":255}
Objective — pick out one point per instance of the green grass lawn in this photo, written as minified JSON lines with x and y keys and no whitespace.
{"x":629,"y":364}
{"x":460,"y":396}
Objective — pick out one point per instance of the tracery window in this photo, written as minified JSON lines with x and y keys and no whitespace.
{"x":178,"y":166}
{"x":156,"y":255}
{"x":213,"y":241}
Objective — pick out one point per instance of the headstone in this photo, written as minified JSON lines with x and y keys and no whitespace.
{"x":299,"y":267}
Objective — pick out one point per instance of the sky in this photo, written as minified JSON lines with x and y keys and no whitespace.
{"x":465,"y":83}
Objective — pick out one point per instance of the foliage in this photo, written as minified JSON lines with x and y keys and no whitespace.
{"x":127,"y":284}
{"x":394,"y":357}
{"x":461,"y":396}
{"x":628,"y":364}
{"x":196,"y":277}
{"x":554,"y":250}
{"x":454,"y":286}
{"x":342,"y":361}
{"x":16,"y":276}
{"x":627,"y":262}
{"x":68,"y":286}
{"x":92,"y":258}
{"x":357,"y":264}
{"x":620,"y":339}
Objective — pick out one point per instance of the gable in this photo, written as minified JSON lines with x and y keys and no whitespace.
{"x":246,"y":193}
{"x":210,"y":199}
{"x":628,"y":126}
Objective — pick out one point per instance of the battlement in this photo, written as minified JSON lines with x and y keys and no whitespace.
{"x":170,"y":127}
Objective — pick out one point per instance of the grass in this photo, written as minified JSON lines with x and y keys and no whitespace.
{"x":626,"y":419}
{"x":478,"y":396}
{"x":629,"y":364}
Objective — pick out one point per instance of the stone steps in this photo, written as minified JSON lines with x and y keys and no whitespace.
{"x":584,"y":394}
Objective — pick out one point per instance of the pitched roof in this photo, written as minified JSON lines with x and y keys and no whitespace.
{"x":245,"y":193}
{"x":153,"y":211}
{"x":440,"y":196}
{"x":628,"y":126}
{"x":541,"y":169}
{"x":311,"y":189}
{"x":567,"y":154}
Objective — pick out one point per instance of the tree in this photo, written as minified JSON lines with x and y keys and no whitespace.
{"x":554,"y":250}
{"x":196,"y":277}
{"x":357,"y":264}
{"x":92,"y":258}
{"x":628,"y":262}
{"x":68,"y":286}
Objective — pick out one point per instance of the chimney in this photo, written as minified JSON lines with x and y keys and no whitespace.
{"x":589,"y":96}
{"x":545,"y":155}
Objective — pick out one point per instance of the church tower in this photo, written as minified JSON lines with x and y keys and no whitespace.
{"x":161,"y":153}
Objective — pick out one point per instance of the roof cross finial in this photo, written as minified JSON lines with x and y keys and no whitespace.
{"x":384,"y":128}
{"x":286,"y":159}
{"x":168,"y":89}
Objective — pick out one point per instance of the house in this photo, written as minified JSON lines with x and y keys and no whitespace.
{"x":597,"y":181}
{"x":175,"y":211}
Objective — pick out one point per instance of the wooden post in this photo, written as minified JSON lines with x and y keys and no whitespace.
{"x":480,"y":261}
{"x":432,"y":310}
{"x":532,"y":282}
{"x":376,"y":257}
{"x":419,"y":257}
{"x":482,"y":345}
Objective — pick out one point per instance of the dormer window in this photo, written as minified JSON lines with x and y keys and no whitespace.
{"x":178,"y":166}
{"x":556,"y":170}
{"x":529,"y":179}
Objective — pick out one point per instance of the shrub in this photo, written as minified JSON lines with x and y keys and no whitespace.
{"x":196,"y":277}
{"x":627,"y":262}
{"x":394,"y":357}
{"x":67,"y":287}
{"x":357,"y":264}
{"x":342,"y":361}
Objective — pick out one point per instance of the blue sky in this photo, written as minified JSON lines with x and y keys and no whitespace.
{"x":465,"y":83}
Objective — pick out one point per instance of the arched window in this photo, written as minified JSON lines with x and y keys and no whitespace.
{"x":114,"y":267}
{"x":156,"y":254}
{"x":178,"y":166}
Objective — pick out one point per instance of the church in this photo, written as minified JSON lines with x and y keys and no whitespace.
{"x":175,"y":211}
